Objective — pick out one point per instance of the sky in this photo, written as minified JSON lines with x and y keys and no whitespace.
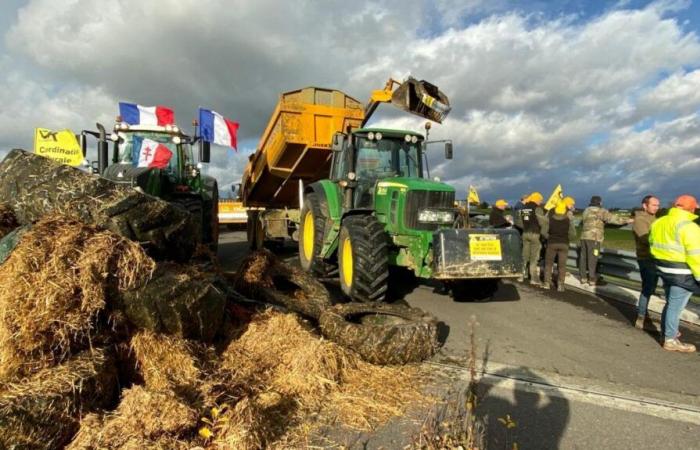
{"x":602,"y":97}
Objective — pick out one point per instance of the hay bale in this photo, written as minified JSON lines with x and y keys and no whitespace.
{"x":8,"y":220}
{"x":143,"y":420}
{"x":54,"y":288}
{"x":178,"y":300}
{"x":278,"y":380}
{"x":35,"y":186}
{"x":263,"y":276}
{"x":43,"y":411}
{"x":167,"y":363}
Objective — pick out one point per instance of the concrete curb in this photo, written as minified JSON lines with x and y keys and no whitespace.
{"x":691,"y":314}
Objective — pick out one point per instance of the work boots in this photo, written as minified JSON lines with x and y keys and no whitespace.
{"x":674,"y":345}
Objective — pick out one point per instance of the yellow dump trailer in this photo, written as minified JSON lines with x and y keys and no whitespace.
{"x":296,"y":145}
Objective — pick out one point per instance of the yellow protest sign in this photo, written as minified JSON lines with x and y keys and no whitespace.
{"x":59,"y":145}
{"x":557,"y":195}
{"x":473,"y":196}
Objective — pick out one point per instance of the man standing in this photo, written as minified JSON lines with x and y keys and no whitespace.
{"x":497,"y":218}
{"x":559,"y":231}
{"x":675,"y":246}
{"x":647,"y":269}
{"x":594,"y":219}
{"x":530,"y":219}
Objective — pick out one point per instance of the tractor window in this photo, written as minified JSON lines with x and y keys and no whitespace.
{"x":409,"y":158}
{"x":127,"y":155}
{"x":374,"y":160}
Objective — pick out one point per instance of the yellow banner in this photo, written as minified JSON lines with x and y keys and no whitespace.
{"x":473,"y":196}
{"x":557,"y":195}
{"x":59,"y":145}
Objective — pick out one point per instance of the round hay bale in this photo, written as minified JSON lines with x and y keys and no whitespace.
{"x":35,"y":187}
{"x":263,"y":276}
{"x":43,"y":411}
{"x":8,"y":220}
{"x":54,"y":291}
{"x":381,"y":333}
{"x":178,"y":300}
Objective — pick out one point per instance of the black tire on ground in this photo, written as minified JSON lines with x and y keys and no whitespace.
{"x":363,"y":258}
{"x":210,"y":231}
{"x":310,"y":252}
{"x":382,"y":333}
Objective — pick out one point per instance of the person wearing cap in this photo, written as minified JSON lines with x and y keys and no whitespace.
{"x":594,"y":219}
{"x":674,"y":241}
{"x":531,"y":218}
{"x":497,"y":218}
{"x":559,"y":231}
{"x":647,"y":269}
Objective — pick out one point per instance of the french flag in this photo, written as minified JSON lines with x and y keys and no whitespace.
{"x":149,"y":153}
{"x":134,"y":114}
{"x":217,"y":129}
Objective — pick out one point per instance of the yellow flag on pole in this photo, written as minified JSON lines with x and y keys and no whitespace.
{"x":557,"y":195}
{"x":473,"y":196}
{"x":59,"y":145}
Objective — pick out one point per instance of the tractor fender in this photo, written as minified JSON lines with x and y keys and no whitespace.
{"x":329,"y":196}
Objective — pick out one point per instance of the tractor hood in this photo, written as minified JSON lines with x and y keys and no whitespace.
{"x":414,"y":184}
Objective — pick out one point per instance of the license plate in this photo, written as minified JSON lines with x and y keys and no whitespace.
{"x":485,"y":247}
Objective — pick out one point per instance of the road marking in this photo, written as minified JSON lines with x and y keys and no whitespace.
{"x":600,"y":397}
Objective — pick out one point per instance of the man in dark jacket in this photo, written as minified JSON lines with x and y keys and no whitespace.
{"x":497,"y":218}
{"x":530,"y":220}
{"x":647,"y":269}
{"x":559,"y":231}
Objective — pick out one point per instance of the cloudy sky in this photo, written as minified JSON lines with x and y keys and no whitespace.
{"x":602,"y":97}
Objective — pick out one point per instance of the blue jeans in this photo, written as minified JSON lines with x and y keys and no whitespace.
{"x":676,"y":299}
{"x":650,"y":278}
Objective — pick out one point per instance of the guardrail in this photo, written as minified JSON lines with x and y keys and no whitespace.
{"x":614,"y":263}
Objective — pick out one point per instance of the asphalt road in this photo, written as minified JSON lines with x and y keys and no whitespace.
{"x":567,"y":368}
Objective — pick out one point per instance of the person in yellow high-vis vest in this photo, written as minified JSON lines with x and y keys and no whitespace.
{"x":675,"y":246}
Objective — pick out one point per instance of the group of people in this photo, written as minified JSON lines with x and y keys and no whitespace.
{"x":666,"y":248}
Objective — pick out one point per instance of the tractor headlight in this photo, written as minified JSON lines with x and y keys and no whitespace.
{"x":176,"y":140}
{"x":435,"y":216}
{"x":175,"y":129}
{"x":414,"y":139}
{"x":407,"y":138}
{"x":378,"y":135}
{"x":370,"y":135}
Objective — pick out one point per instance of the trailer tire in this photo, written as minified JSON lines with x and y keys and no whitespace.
{"x":311,"y":233}
{"x":363,"y":258}
{"x":382,"y":333}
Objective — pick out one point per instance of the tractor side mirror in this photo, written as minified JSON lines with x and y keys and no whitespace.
{"x":448,"y":150}
{"x":204,"y":151}
{"x":338,"y":140}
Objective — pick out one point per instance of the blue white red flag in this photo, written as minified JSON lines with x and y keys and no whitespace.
{"x":134,"y":114}
{"x":149,"y":153}
{"x":217,"y":129}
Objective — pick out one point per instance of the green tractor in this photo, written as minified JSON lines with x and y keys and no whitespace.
{"x":180,"y":182}
{"x":377,"y":209}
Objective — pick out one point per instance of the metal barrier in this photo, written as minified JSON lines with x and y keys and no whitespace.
{"x":614,"y":263}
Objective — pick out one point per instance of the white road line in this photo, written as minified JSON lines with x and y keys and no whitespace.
{"x":600,"y":397}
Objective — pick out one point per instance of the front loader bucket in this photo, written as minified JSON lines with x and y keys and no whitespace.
{"x":421,"y":98}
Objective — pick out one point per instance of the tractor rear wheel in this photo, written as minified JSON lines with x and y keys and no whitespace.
{"x":311,"y":234}
{"x":363,"y":257}
{"x":210,"y":229}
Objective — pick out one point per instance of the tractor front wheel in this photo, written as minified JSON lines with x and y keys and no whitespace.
{"x":363,"y":257}
{"x":311,"y":235}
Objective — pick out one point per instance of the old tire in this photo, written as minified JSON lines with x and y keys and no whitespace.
{"x":382,"y":333}
{"x":311,"y":234}
{"x":363,"y":258}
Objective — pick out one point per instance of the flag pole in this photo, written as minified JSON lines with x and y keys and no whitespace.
{"x":466,"y":221}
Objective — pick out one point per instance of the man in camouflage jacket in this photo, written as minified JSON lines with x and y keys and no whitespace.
{"x":594,"y":219}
